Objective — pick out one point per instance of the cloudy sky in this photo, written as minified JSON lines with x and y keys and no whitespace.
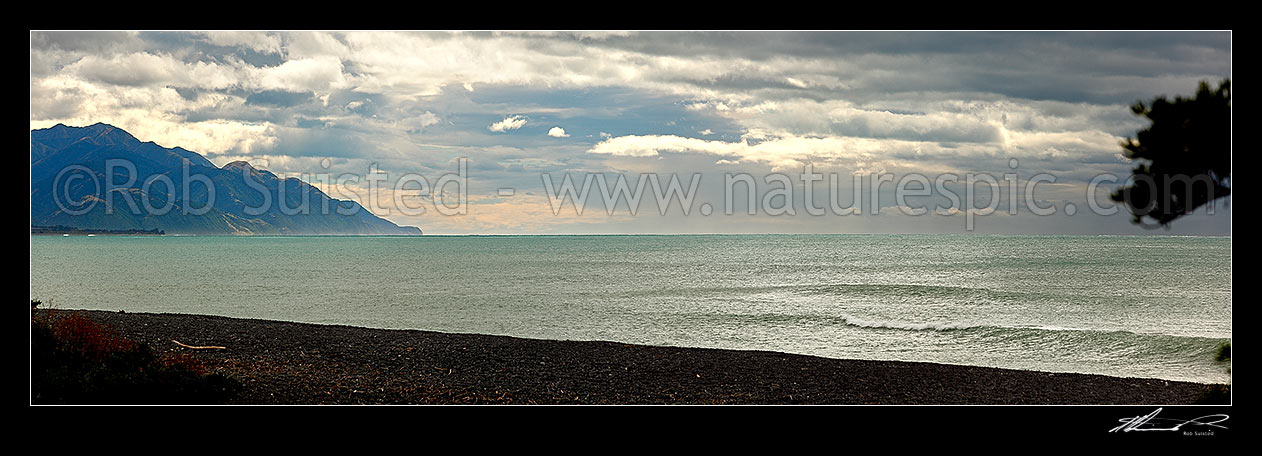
{"x":522,"y":107}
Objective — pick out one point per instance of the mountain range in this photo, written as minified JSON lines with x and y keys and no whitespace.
{"x":156,"y":188}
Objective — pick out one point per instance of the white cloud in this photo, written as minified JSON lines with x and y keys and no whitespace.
{"x":558,"y":132}
{"x":314,"y":44}
{"x":257,"y":41}
{"x":209,"y":138}
{"x":509,"y":123}
{"x":314,"y":74}
{"x":779,"y":152}
{"x":425,"y":119}
{"x":144,"y":69}
{"x":706,"y":132}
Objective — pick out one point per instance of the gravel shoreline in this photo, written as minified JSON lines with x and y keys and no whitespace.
{"x":298,"y":363}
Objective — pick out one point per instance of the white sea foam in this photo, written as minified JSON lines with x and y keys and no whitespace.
{"x":935,"y":326}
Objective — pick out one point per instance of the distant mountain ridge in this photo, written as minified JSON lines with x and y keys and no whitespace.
{"x":75,"y":161}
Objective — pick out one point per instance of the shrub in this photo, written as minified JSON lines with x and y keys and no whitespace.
{"x":1215,"y":395}
{"x":76,"y":360}
{"x":1224,"y":352}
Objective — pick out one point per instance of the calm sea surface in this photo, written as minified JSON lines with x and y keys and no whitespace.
{"x":1142,"y":306}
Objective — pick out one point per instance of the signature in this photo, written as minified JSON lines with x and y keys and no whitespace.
{"x":1150,"y":422}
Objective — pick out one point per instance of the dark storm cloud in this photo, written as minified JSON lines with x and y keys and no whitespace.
{"x":1035,"y":65}
{"x":767,"y":45}
{"x":279,"y":98}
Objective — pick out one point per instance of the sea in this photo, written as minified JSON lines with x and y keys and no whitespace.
{"x":1128,"y":306}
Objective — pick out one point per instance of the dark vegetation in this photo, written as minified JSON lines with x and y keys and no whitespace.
{"x":62,"y":229}
{"x":1184,"y":162}
{"x":1184,"y":156}
{"x":1224,"y":353}
{"x":1219,"y":394}
{"x":77,"y":360}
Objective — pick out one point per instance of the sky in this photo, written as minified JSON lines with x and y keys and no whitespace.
{"x":512,"y":114}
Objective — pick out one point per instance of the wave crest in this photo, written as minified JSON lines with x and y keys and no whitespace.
{"x":878,"y":324}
